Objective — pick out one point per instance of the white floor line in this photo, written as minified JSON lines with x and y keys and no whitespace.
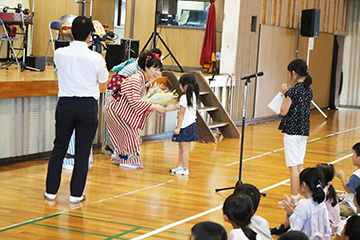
{"x":273,"y":151}
{"x":257,"y":156}
{"x":156,"y":231}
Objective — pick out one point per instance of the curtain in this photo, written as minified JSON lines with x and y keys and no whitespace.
{"x":208,"y":53}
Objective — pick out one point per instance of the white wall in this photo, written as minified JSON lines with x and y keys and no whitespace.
{"x":230,"y":36}
{"x":351,"y":72}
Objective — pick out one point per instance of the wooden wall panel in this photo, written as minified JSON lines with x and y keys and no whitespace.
{"x":277,"y":47}
{"x":103,"y":11}
{"x":320,"y":63}
{"x":45,"y":12}
{"x":247,"y":58}
{"x":287,"y":13}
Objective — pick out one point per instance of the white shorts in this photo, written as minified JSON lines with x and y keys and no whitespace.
{"x":295,"y":148}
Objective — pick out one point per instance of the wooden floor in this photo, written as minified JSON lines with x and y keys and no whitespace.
{"x":154,"y":204}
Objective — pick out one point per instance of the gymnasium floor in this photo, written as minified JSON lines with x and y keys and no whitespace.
{"x":154,"y":204}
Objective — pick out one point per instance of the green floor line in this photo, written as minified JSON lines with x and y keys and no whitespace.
{"x":29,"y":222}
{"x":329,"y":154}
{"x":184,"y":234}
{"x":70,"y":230}
{"x":107,"y":221}
{"x":124,"y":233}
{"x":349,"y":150}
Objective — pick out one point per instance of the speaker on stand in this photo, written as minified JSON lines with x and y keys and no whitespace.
{"x":310,"y":22}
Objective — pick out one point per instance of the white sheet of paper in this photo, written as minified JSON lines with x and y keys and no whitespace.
{"x":275,"y":104}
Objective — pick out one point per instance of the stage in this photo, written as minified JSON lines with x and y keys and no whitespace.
{"x":15,"y":83}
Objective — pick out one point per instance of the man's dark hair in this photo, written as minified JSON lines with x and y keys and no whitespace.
{"x":81,"y":28}
{"x":208,"y":231}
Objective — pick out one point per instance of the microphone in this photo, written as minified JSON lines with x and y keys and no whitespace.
{"x":259,"y":74}
{"x":213,"y":76}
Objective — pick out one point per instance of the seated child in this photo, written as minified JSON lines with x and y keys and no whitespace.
{"x":310,"y":214}
{"x":352,"y":228}
{"x":259,"y":224}
{"x":347,"y":207}
{"x":208,"y":231}
{"x":238,"y":210}
{"x":293,"y":235}
{"x":343,"y":222}
{"x":331,"y":201}
{"x":332,"y":205}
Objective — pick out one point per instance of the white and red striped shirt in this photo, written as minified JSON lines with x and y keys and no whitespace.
{"x":130,"y":106}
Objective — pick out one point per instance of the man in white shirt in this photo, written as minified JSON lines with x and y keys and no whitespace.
{"x":80,"y":71}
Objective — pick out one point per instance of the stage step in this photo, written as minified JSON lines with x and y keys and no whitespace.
{"x":211,"y":105}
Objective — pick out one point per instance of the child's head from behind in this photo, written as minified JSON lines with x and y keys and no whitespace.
{"x":356,"y":154}
{"x":238,"y":210}
{"x":189,"y":86}
{"x":311,"y":180}
{"x":293,"y":235}
{"x":352,"y":228}
{"x":298,"y":69}
{"x":251,"y":191}
{"x":328,"y":172}
{"x":208,"y":231}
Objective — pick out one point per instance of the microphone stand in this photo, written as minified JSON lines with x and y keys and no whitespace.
{"x":25,"y":30}
{"x":156,"y":34}
{"x":247,"y":80}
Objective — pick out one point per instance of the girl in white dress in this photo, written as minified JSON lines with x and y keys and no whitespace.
{"x":309,"y":215}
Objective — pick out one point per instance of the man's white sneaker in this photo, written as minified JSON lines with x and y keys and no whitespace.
{"x":77,"y":199}
{"x":176,"y":169}
{"x":49,"y":196}
{"x":182,"y":172}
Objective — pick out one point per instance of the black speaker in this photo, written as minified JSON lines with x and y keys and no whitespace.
{"x":131,"y":47}
{"x":310,"y":21}
{"x":59,"y":44}
{"x":35,"y":62}
{"x":114,"y":55}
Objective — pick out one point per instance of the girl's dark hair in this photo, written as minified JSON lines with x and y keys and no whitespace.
{"x":239,"y":209}
{"x":314,"y":180}
{"x":301,"y":69}
{"x":81,"y":28}
{"x":208,"y":230}
{"x":328,"y":172}
{"x":193,"y":87}
{"x":352,"y":228}
{"x":148,"y":59}
{"x":250,"y":190}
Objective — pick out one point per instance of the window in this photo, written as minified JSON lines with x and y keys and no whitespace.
{"x":120,"y":13}
{"x":189,"y":13}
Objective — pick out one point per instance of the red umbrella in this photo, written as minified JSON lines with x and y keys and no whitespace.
{"x":208,"y":53}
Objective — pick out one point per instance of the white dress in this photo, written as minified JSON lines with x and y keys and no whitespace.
{"x":312,"y":219}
